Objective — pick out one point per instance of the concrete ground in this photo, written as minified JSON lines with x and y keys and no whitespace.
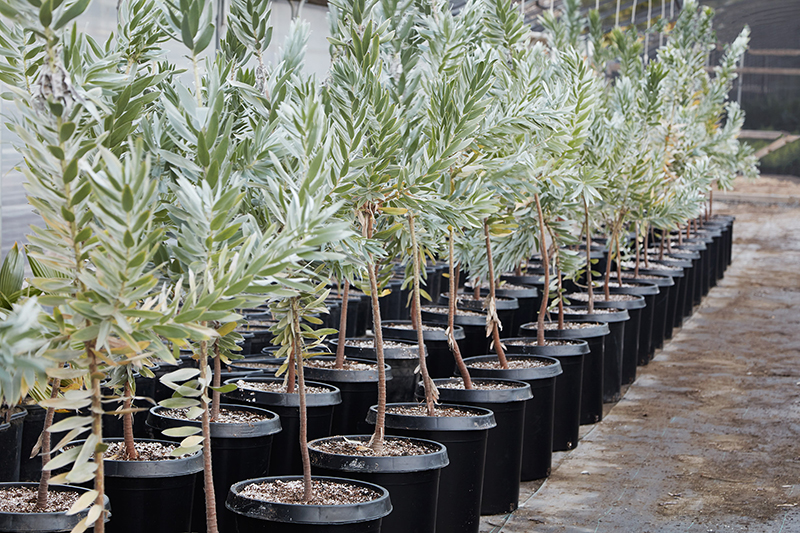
{"x":707,"y":438}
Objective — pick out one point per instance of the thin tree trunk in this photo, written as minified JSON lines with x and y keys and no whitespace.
{"x":298,"y":357}
{"x":216,"y":396}
{"x":619,"y":263}
{"x":290,"y":376}
{"x":661,"y":248}
{"x":451,"y":315}
{"x":710,"y":204}
{"x":417,"y":319}
{"x":546,"y":266}
{"x":638,"y":260}
{"x":127,"y":425}
{"x":380,"y":420}
{"x":560,"y":302}
{"x":44,"y":480}
{"x":97,"y":431}
{"x":607,"y":279}
{"x":492,"y":303}
{"x":205,"y":420}
{"x":342,"y":326}
{"x":647,"y":248}
{"x":589,"y":285}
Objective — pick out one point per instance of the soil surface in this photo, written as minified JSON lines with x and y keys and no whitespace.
{"x":359,"y":447}
{"x":515,"y":362}
{"x":226,"y":416}
{"x":23,"y":500}
{"x":277,"y":386}
{"x":438,"y":411}
{"x":478,"y":384}
{"x":325,"y":492}
{"x":706,"y":439}
{"x":146,"y":451}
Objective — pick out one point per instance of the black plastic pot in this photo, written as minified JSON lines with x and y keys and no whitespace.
{"x":665,"y":284}
{"x":238,"y":451}
{"x":613,"y":347}
{"x":285,"y":456}
{"x":112,"y":424}
{"x":537,"y":440}
{"x":403,"y":360}
{"x":11,"y":446}
{"x":591,"y":400}
{"x":359,"y":391}
{"x":164,"y":489}
{"x":391,"y":303}
{"x":412,"y":481}
{"x":675,"y":295}
{"x":503,"y":466}
{"x":461,"y":481}
{"x":440,"y":359}
{"x":256,"y":516}
{"x":683,"y":306}
{"x":257,"y":337}
{"x":43,"y":522}
{"x":634,"y":330}
{"x":30,"y":468}
{"x":475,"y":340}
{"x":528,"y":301}
{"x":507,"y":309}
{"x":354,"y":328}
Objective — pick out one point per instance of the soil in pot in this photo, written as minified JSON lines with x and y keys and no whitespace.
{"x":441,"y":362}
{"x":11,"y":443}
{"x":270,"y":394}
{"x":18,"y":514}
{"x":507,"y":400}
{"x":464,"y":431}
{"x":594,"y":334}
{"x":401,"y":356}
{"x":241,"y":442}
{"x":542,"y":375}
{"x":409,"y":469}
{"x":274,"y":505}
{"x":358,"y":384}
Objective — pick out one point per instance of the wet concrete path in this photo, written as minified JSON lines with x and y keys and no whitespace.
{"x":708,"y":437}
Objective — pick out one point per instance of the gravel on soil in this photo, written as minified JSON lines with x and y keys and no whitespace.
{"x":147,"y":451}
{"x":23,"y":500}
{"x":513,"y":363}
{"x":438,"y":411}
{"x":478,"y":384}
{"x":277,"y":386}
{"x":369,"y":343}
{"x":348,"y":365}
{"x":324,"y":492}
{"x":359,"y":447}
{"x":226,"y":416}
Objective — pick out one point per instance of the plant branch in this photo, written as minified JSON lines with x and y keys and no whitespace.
{"x":451,"y":315}
{"x":342,"y":326}
{"x":492,"y":318}
{"x":427,"y":382}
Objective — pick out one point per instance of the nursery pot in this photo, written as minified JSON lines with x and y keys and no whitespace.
{"x":164,"y":489}
{"x":528,"y":302}
{"x":354,"y":328}
{"x":112,"y":424}
{"x":665,"y":285}
{"x":43,"y":522}
{"x":358,"y":389}
{"x":238,"y":451}
{"x":412,"y":481}
{"x":613,"y":347}
{"x":592,"y":384}
{"x":265,"y":364}
{"x":256,"y":516}
{"x":649,"y":291}
{"x":633,"y":327}
{"x":30,"y":468}
{"x":401,"y":356}
{"x":285,"y":456}
{"x":674,"y":296}
{"x":472,"y":321}
{"x":503,"y":464}
{"x":537,"y":440}
{"x":459,"y":505}
{"x":440,"y":359}
{"x":11,"y":446}
{"x":506,"y":306}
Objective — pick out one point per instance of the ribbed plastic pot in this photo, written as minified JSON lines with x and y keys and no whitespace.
{"x":256,"y":516}
{"x":507,"y":309}
{"x":503,"y":466}
{"x":403,"y":361}
{"x":43,"y":522}
{"x":475,"y":340}
{"x":440,"y":359}
{"x":11,"y":446}
{"x":635,"y":329}
{"x":676,"y":291}
{"x":592,"y":384}
{"x":238,"y":451}
{"x":459,"y":505}
{"x":412,"y":481}
{"x":359,"y":391}
{"x":613,"y":348}
{"x":165,"y":489}
{"x":285,"y":456}
{"x":537,"y":440}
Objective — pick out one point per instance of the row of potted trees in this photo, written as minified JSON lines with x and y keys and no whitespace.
{"x":190,"y":213}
